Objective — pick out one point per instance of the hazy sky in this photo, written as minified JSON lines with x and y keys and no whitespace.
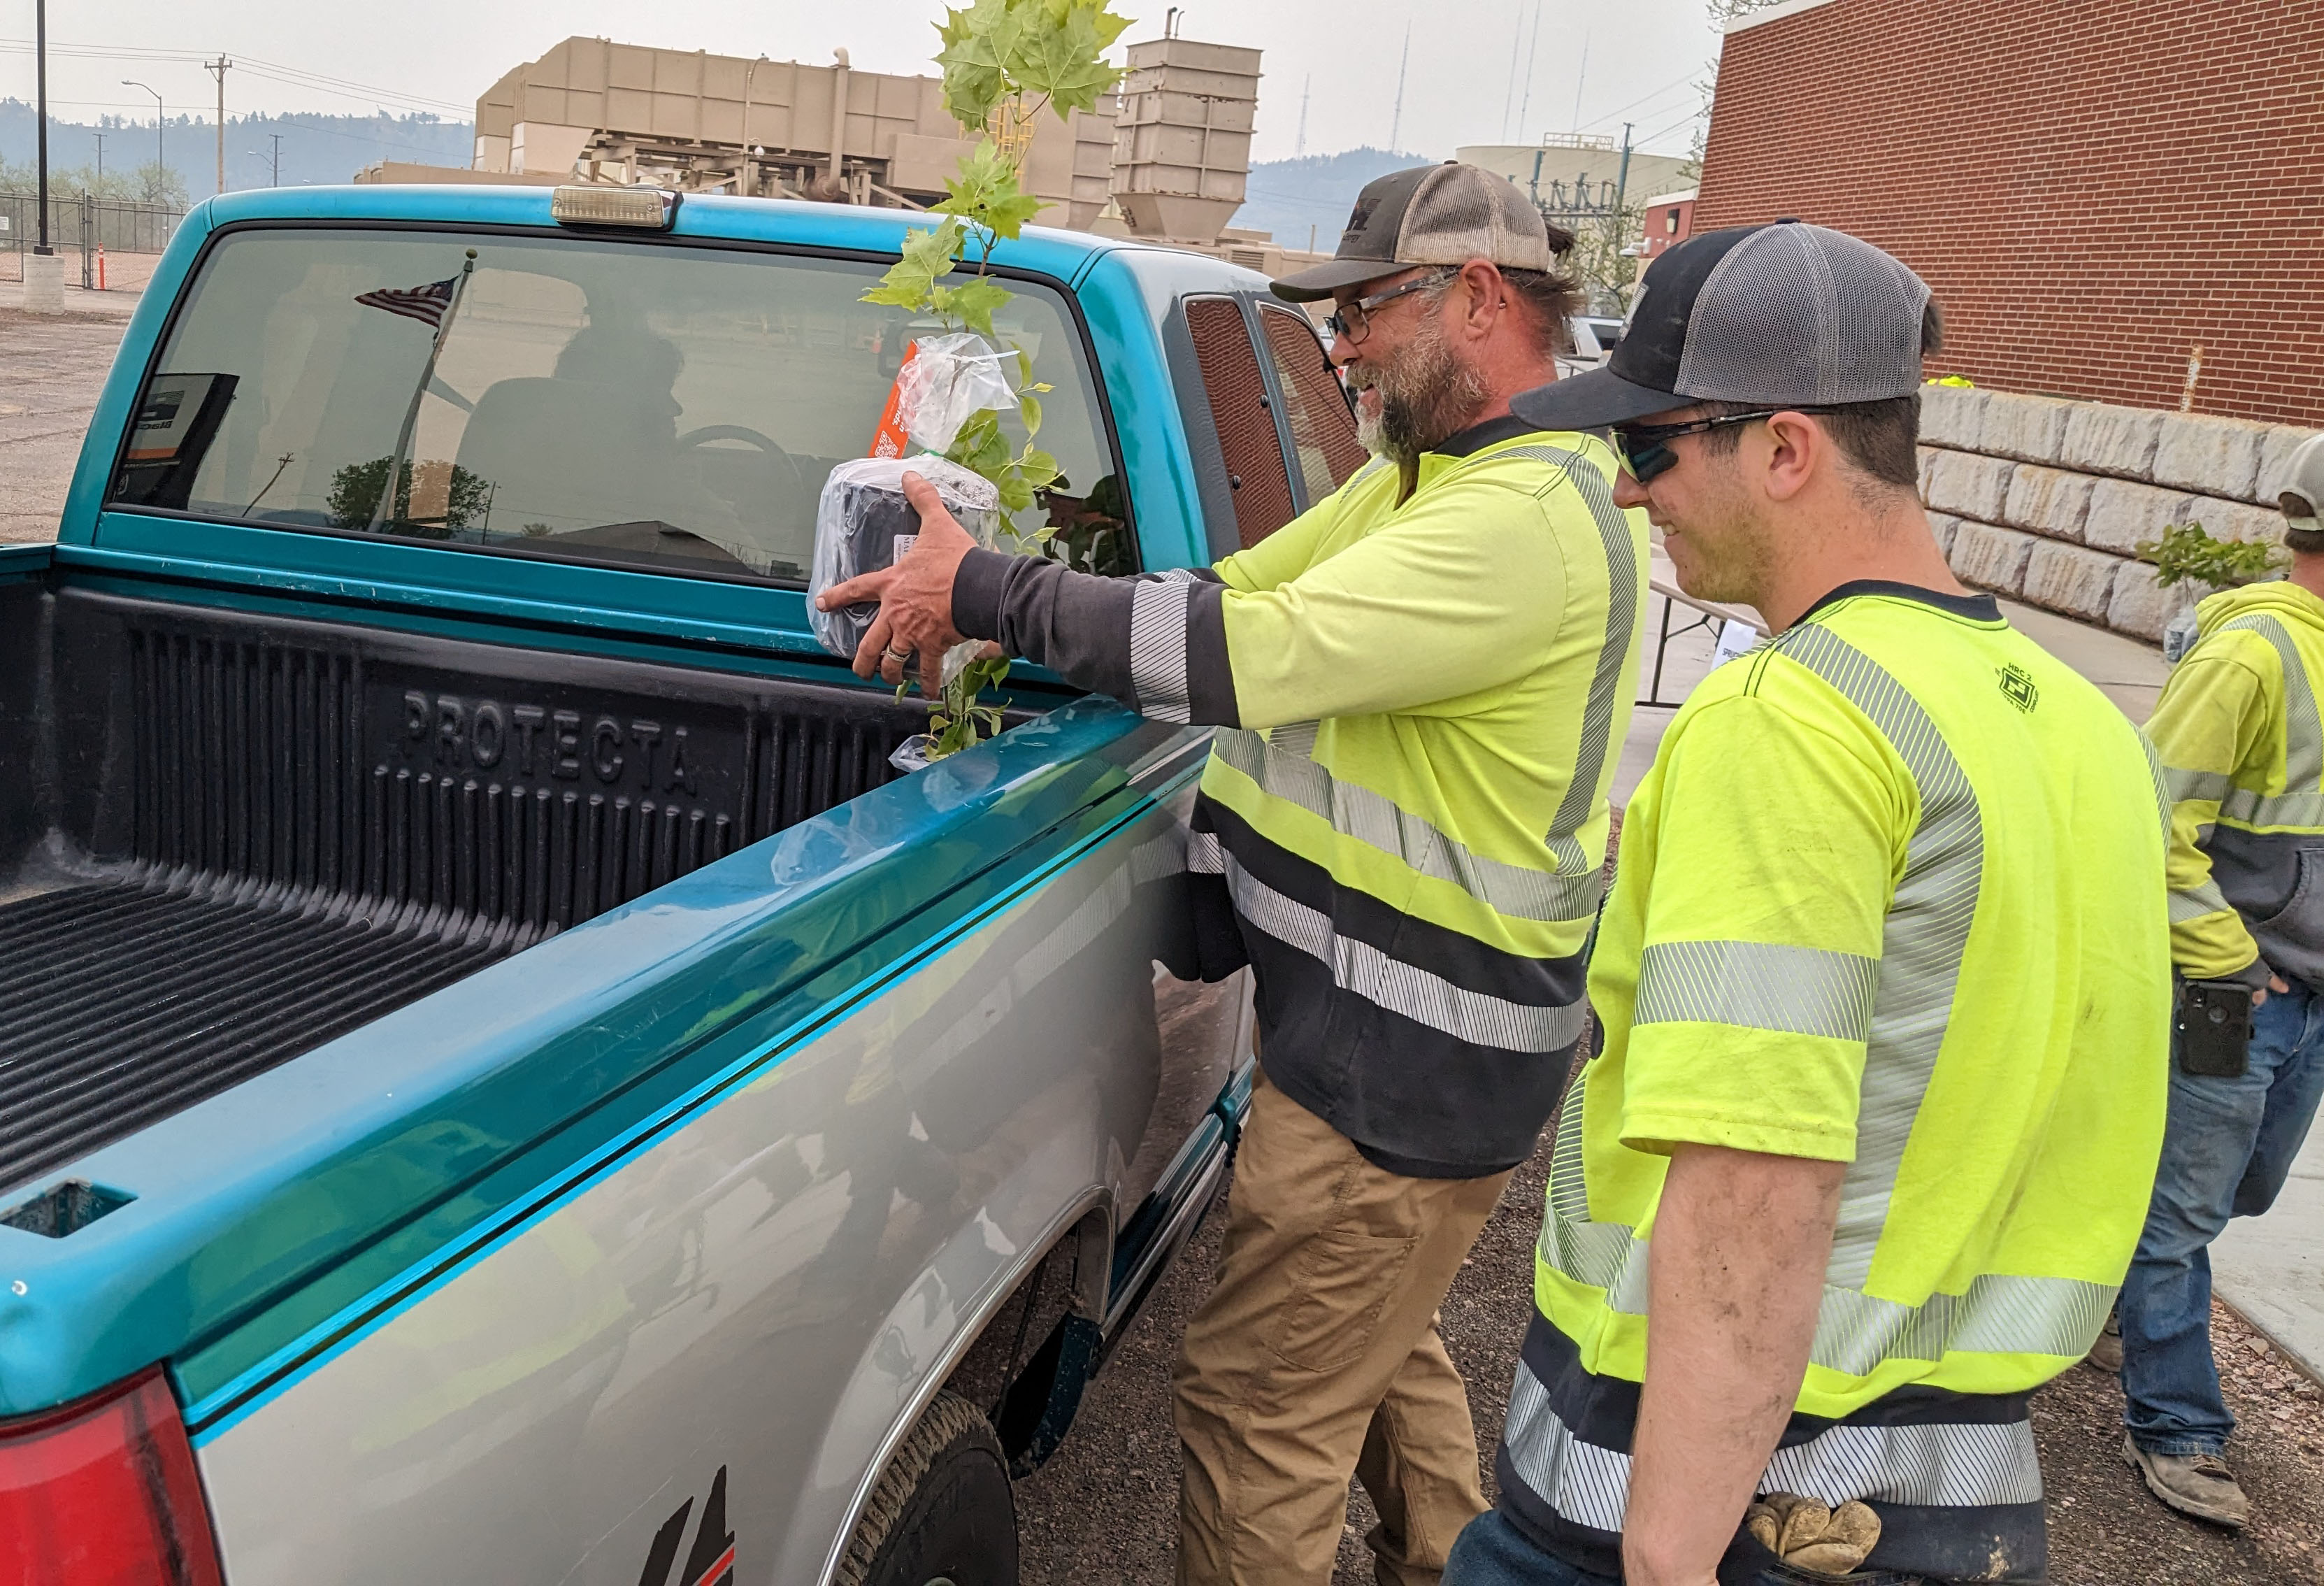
{"x":1643,"y":57}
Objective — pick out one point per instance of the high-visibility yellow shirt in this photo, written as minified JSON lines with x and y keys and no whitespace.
{"x":1891,"y":896}
{"x":2243,"y":754}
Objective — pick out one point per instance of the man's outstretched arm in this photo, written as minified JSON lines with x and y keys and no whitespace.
{"x":1158,"y":644}
{"x":1735,"y":1276}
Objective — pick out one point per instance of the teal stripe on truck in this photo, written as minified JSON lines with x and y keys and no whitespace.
{"x":269,"y":1210}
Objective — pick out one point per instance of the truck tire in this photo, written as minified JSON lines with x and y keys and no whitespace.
{"x":941,"y":1514}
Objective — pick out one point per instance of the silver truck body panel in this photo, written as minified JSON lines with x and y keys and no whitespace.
{"x":773,"y":1288}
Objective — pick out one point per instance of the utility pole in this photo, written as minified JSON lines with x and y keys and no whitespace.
{"x":216,"y":69}
{"x":1395,"y":121}
{"x":278,"y":159}
{"x":40,"y":78}
{"x":1301,"y":147}
{"x":100,"y":156}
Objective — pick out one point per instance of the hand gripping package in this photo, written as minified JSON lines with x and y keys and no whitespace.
{"x":863,"y":523}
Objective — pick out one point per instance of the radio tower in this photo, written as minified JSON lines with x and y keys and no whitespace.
{"x":1396,"y":122}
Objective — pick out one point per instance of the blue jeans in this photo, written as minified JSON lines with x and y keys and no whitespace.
{"x":1490,"y":1552}
{"x":2226,"y":1152}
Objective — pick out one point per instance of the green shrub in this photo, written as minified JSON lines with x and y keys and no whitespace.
{"x":2186,"y":552}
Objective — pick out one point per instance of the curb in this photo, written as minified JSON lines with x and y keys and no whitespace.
{"x":2284,"y":1352}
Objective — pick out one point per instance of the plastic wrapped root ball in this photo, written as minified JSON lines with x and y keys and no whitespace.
{"x":863,"y":522}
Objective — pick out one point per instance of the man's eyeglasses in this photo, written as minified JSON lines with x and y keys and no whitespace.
{"x":1354,"y":322}
{"x":1644,"y":448}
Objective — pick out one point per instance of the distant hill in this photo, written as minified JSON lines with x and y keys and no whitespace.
{"x":1288,"y":197}
{"x":316,"y":148}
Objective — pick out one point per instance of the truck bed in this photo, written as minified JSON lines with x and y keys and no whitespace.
{"x":226,"y":838}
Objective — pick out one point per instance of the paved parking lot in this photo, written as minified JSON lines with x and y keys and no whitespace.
{"x":52,"y":366}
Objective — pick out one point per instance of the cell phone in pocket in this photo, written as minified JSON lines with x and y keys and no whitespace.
{"x":2211,"y":1028}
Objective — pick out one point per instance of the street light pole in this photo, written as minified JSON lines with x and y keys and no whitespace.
{"x":101,"y":158}
{"x":41,"y":77}
{"x":160,"y":165}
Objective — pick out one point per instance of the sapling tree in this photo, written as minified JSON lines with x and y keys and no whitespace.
{"x":1004,"y":62}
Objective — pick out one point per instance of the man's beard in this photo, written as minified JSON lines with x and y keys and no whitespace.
{"x":1426,"y":396}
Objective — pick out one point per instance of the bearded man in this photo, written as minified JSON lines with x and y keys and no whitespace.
{"x":1421,"y":688}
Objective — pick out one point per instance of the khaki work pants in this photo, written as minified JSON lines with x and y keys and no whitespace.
{"x":1316,"y":1356}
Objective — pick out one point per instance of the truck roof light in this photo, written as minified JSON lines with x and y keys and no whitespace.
{"x":103,"y":1492}
{"x":651,"y":208}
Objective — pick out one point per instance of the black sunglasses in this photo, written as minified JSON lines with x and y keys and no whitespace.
{"x":1644,"y":448}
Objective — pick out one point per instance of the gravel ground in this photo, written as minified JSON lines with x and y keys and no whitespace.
{"x":52,"y":366}
{"x":1104,"y":1509}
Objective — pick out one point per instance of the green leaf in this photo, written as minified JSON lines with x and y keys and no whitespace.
{"x":1060,"y":54}
{"x":987,"y":191}
{"x":928,"y":255}
{"x":1028,"y":410}
{"x":1025,"y":368}
{"x":977,"y":302}
{"x":1035,"y":385}
{"x":1037,"y":465}
{"x":978,"y":43}
{"x":982,"y":173}
{"x":980,"y":448}
{"x":1015,"y":493}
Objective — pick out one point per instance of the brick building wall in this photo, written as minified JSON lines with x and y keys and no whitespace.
{"x":2091,"y":189}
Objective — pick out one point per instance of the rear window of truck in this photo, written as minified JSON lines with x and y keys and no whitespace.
{"x":666,"y":407}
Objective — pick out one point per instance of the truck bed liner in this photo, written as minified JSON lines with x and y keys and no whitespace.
{"x":121,"y":1002}
{"x":240,"y":836}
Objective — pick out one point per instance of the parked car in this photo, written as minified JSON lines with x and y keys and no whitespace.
{"x":500,"y":1077}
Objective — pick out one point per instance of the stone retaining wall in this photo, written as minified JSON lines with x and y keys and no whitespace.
{"x":2044,"y":499}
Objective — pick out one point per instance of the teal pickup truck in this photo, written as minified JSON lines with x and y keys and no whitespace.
{"x":501,"y":1079}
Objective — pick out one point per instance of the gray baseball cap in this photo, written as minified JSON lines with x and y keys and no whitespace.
{"x":1446,"y":214}
{"x":1789,"y":315}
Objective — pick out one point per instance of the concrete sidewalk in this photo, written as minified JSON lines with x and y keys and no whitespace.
{"x":2269,"y":1269}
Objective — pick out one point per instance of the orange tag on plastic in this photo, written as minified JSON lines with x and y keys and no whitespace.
{"x":891,"y":441}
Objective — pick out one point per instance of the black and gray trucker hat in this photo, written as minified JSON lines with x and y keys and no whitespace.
{"x":1446,"y":214}
{"x":1792,"y":315}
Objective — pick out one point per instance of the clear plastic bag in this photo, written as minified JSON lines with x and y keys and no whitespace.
{"x":862,"y":518}
{"x":950,"y":379}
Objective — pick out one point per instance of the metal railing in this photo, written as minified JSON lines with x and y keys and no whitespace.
{"x":84,"y":226}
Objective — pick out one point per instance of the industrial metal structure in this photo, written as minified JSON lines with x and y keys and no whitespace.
{"x":1182,"y":137}
{"x":1578,"y":178}
{"x":1164,"y":160}
{"x":599,"y":111}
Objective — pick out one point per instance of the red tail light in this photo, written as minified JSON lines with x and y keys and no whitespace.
{"x":103,"y":1492}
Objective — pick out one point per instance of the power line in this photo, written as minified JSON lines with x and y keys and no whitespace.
{"x":295,"y":76}
{"x":1615,"y":114}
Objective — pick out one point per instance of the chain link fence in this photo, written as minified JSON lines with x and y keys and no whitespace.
{"x":83,"y":226}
